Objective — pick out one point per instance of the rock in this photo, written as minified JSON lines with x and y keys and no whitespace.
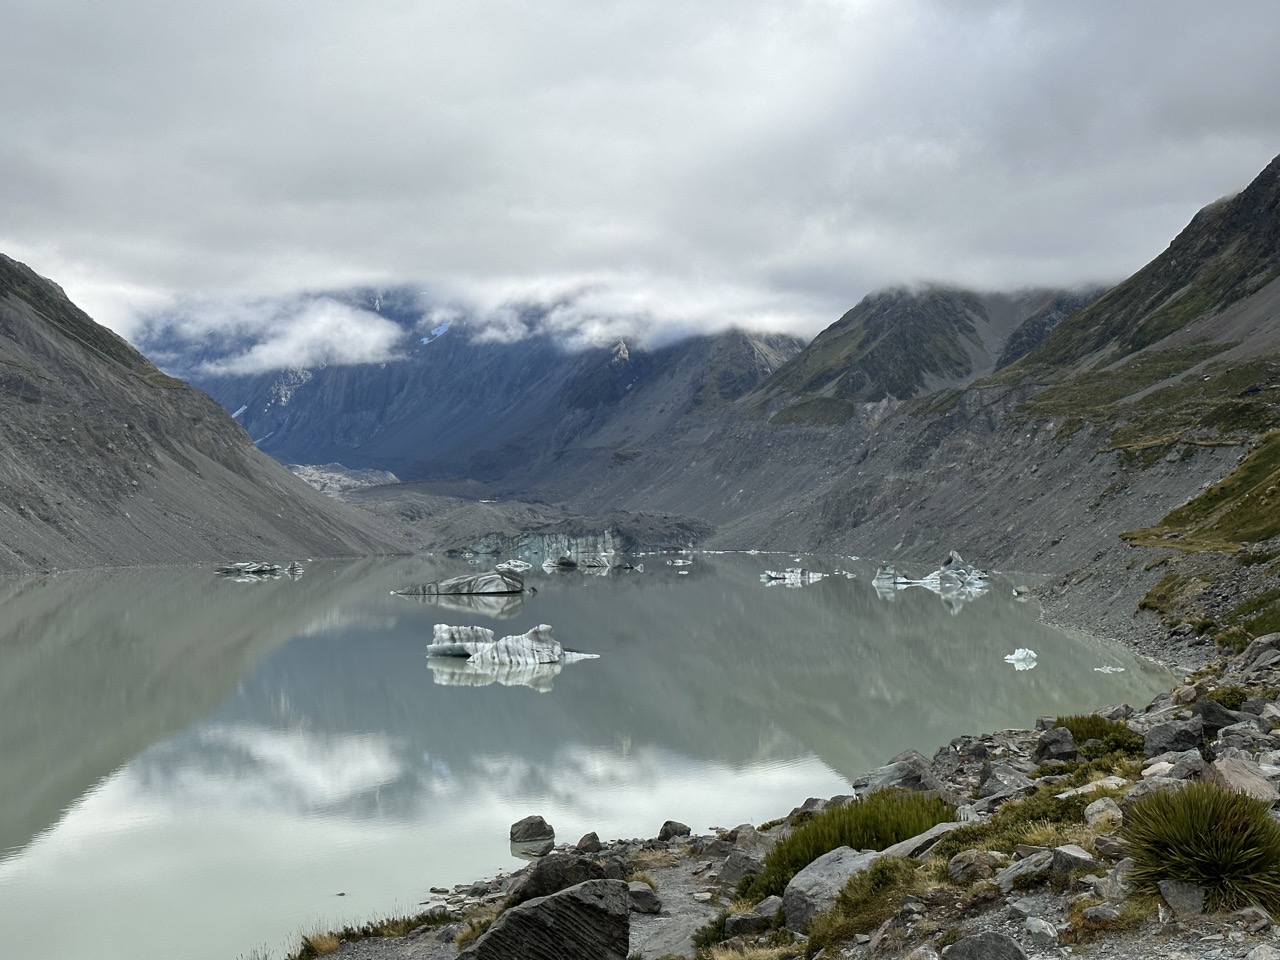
{"x":1103,"y":813}
{"x":1111,"y":847}
{"x":554,"y":873}
{"x":1070,"y":857}
{"x":1020,"y":871}
{"x":1005,"y":780}
{"x":672,"y":829}
{"x":590,"y":843}
{"x":643,"y":898}
{"x":909,"y":771}
{"x":770,"y":906}
{"x":1255,"y":919}
{"x":1184,"y":899}
{"x":1102,"y":913}
{"x":1242,"y":776}
{"x":1023,"y":908}
{"x":922,"y":952}
{"x":1263,"y":951}
{"x":970,"y":865}
{"x":1115,"y":885}
{"x":921,"y":844}
{"x":745,"y":924}
{"x":1106,"y":783}
{"x":1250,"y":659}
{"x":738,"y":865}
{"x":1173,"y":735}
{"x":1042,"y":932}
{"x":815,"y":887}
{"x":588,"y":921}
{"x":1055,"y":744}
{"x":1147,"y":787}
{"x":533,"y":849}
{"x":531,"y":828}
{"x":1215,"y":716}
{"x":985,"y":946}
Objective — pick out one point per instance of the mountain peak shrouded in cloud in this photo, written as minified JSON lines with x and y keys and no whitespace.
{"x":746,"y":163}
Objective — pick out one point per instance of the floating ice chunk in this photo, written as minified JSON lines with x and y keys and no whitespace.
{"x":679,"y":563}
{"x":791,"y":577}
{"x":1108,"y":669}
{"x":1022,"y":659}
{"x":518,"y":566}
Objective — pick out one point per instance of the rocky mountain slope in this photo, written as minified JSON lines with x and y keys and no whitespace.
{"x":104,"y":460}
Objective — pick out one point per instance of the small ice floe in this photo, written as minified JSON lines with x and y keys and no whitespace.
{"x":679,"y":563}
{"x":251,"y":571}
{"x":1022,"y":659}
{"x":470,"y":656}
{"x":791,"y":577}
{"x":516,"y":566}
{"x":956,"y":582}
{"x":682,"y":573}
{"x":1108,"y":669}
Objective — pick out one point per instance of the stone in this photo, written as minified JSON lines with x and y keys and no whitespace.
{"x":1148,"y":787}
{"x":1042,"y":932}
{"x":1005,"y":780}
{"x":672,"y":829}
{"x":770,"y":907}
{"x":1263,"y":951}
{"x":1256,"y":650}
{"x":531,"y":828}
{"x":1215,"y":716}
{"x":1111,"y":847}
{"x":554,"y":873}
{"x":643,"y":898}
{"x":814,"y":888}
{"x":588,"y":921}
{"x":920,"y":845}
{"x":989,"y":945}
{"x":590,"y":843}
{"x":1103,"y":813}
{"x":1055,"y":744}
{"x":738,"y":865}
{"x":1070,"y":857}
{"x":1242,"y":776}
{"x":1021,"y":871}
{"x":1184,"y":899}
{"x":745,"y":924}
{"x":1115,"y":885}
{"x":1106,"y":783}
{"x":532,"y":849}
{"x":1173,"y":735}
{"x":908,"y":771}
{"x":922,"y":952}
{"x":1102,"y":913}
{"x":1255,"y":919}
{"x":970,"y":865}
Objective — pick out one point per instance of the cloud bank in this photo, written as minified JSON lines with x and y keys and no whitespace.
{"x":660,"y":166}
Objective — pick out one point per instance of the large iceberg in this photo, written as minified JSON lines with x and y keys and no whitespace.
{"x":494,"y":582}
{"x":470,"y":656}
{"x":956,"y":582}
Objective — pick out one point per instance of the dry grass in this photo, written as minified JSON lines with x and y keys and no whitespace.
{"x":642,"y":878}
{"x":321,"y":944}
{"x":643,"y":860}
{"x":756,"y":953}
{"x":477,"y":922}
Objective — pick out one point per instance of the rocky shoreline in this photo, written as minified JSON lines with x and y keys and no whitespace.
{"x":657,"y":897}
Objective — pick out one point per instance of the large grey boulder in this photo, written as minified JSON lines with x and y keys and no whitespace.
{"x":1173,"y":735}
{"x":588,"y":921}
{"x":738,"y":865}
{"x":1025,"y":870}
{"x":672,"y":829}
{"x":531,"y":828}
{"x":1242,"y":776}
{"x":985,"y":946}
{"x":814,"y":888}
{"x":1215,"y":716}
{"x":554,"y":873}
{"x":908,"y":771}
{"x":1055,"y":744}
{"x":1004,"y":780}
{"x":643,"y":898}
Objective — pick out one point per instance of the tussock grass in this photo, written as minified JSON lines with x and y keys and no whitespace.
{"x":1230,"y":695}
{"x":477,"y":923}
{"x":1201,"y":834}
{"x":1115,"y":737}
{"x":877,"y":821}
{"x":1133,"y":914}
{"x":1041,"y":815}
{"x":643,"y":860}
{"x":721,"y":952}
{"x":321,"y":944}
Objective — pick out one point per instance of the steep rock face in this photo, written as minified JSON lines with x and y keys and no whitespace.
{"x":106,"y":460}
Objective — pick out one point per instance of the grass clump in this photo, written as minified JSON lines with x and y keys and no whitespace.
{"x":879,"y":820}
{"x":1230,"y":695}
{"x":866,"y":901}
{"x":1114,"y":737}
{"x":1042,"y":815}
{"x":1201,"y":834}
{"x":323,"y":943}
{"x":1133,"y":914}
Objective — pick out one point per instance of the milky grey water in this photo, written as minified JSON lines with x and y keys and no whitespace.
{"x":194,"y":767}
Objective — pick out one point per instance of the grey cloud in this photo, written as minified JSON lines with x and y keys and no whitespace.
{"x":655,"y":167}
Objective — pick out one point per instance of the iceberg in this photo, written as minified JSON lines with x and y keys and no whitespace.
{"x":470,"y":656}
{"x":494,"y":582}
{"x":1022,"y":659}
{"x":791,"y":577}
{"x":956,"y":582}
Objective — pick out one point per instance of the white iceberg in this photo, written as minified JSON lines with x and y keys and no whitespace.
{"x":1022,"y":659}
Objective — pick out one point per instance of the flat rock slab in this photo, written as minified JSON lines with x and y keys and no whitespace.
{"x":589,"y":921}
{"x":1242,"y":776}
{"x":986,"y":946}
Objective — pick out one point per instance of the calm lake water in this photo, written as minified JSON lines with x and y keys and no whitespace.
{"x":197,"y":768}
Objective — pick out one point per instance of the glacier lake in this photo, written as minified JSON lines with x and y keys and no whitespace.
{"x":202,"y":768}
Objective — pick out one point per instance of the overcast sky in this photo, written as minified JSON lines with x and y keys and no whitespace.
{"x":668,"y":163}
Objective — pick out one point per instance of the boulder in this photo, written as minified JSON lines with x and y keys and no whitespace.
{"x":531,"y":828}
{"x":1149,"y":786}
{"x":815,"y":888}
{"x":1103,"y":813}
{"x":1242,"y":776}
{"x":590,"y":843}
{"x":1004,"y":780}
{"x":672,"y":829}
{"x":1055,"y":744}
{"x":738,"y":865}
{"x":1184,"y":899}
{"x":908,"y":771}
{"x":1173,"y":735}
{"x":1070,"y":857}
{"x":970,"y":865}
{"x":554,"y":873}
{"x":745,"y":924}
{"x":1102,"y":913}
{"x":643,"y":898}
{"x":986,"y":946}
{"x":588,"y":921}
{"x":1111,"y":847}
{"x":1029,"y":868}
{"x":1042,"y":932}
{"x":1115,"y":885}
{"x":1215,"y":716}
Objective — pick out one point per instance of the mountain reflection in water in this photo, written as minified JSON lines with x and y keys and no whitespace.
{"x":189,"y":753}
